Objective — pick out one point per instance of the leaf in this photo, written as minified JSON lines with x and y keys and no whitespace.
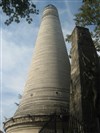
{"x":89,"y":14}
{"x":18,"y":9}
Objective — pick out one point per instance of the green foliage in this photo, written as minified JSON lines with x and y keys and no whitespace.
{"x":68,"y":38}
{"x":17,"y":9}
{"x":89,"y":14}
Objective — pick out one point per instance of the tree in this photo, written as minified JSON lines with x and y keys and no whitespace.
{"x":17,"y":9}
{"x":89,"y":14}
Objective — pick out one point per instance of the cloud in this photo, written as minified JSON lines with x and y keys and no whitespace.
{"x":9,"y":105}
{"x":69,"y":12}
{"x":15,"y":62}
{"x":17,"y":49}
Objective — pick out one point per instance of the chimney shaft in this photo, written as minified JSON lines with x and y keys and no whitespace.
{"x":47,"y":88}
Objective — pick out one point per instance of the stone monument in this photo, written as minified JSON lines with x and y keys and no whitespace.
{"x":85,"y":80}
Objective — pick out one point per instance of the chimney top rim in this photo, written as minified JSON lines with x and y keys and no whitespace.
{"x":50,"y":6}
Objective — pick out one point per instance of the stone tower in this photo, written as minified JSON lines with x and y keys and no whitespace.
{"x":85,"y":88}
{"x":47,"y":87}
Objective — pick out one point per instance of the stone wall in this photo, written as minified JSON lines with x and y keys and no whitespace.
{"x":85,"y":80}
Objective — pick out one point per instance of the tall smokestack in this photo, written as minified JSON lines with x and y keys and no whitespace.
{"x":48,"y":85}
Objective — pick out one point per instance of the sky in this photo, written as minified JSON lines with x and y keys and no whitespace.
{"x":17,"y":46}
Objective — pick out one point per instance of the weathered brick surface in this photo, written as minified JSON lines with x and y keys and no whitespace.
{"x":84,"y":72}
